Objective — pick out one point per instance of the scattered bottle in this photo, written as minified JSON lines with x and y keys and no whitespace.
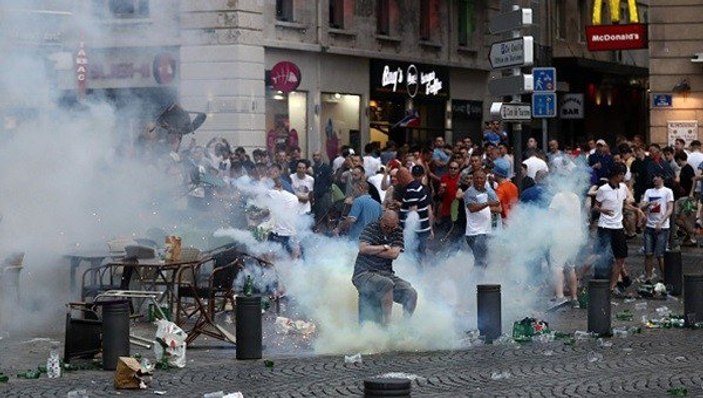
{"x":248,"y":287}
{"x":53,"y":364}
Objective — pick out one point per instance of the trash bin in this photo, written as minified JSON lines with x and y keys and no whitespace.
{"x":488,"y":305}
{"x":673,"y":275}
{"x":599,"y":306}
{"x":387,"y":387}
{"x":115,"y":314}
{"x":693,"y":299}
{"x":248,"y":318}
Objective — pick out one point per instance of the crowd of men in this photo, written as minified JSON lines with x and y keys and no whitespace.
{"x":464,"y":192}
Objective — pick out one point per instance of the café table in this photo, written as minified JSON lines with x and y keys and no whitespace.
{"x":94,"y":257}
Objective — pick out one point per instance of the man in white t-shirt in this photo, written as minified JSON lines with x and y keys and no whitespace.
{"x":658,"y":202}
{"x":481,"y":200}
{"x":611,"y":198}
{"x":302,"y":184}
{"x":283,"y":207}
{"x":534,"y":164}
{"x":568,"y":235}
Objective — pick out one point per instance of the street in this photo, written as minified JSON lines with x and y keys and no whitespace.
{"x":649,"y":363}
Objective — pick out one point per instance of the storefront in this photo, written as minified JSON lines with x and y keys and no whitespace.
{"x":408,"y":101}
{"x":315,"y":101}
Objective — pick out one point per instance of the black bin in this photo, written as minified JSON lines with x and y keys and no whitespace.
{"x":488,"y":311}
{"x":599,"y":320}
{"x":115,"y":330}
{"x":249,"y":337}
{"x":387,"y":387}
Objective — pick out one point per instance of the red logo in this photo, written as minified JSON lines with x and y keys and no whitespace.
{"x":616,"y":37}
{"x":285,"y":76}
{"x":164,"y":68}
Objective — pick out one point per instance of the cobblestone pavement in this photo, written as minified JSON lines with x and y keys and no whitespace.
{"x":649,"y":363}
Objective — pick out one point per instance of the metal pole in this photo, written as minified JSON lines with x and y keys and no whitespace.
{"x":673,"y":272}
{"x":517,"y":127}
{"x":488,"y":311}
{"x":599,"y":306}
{"x":545,"y":134}
{"x":693,"y":299}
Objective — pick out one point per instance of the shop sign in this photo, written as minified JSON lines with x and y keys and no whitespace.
{"x":410,"y":79}
{"x":684,"y":129}
{"x":571,"y":106}
{"x":81,"y":67}
{"x":617,"y":36}
{"x":285,"y":76}
{"x":127,"y":67}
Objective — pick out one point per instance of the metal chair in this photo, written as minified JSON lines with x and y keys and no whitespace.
{"x":204,"y":297}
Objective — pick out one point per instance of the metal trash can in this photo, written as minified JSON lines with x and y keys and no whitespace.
{"x":249,"y":335}
{"x":693,"y":299}
{"x":115,"y":316}
{"x":673,"y":272}
{"x":599,"y":320}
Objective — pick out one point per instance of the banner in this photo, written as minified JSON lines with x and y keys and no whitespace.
{"x":684,"y":129}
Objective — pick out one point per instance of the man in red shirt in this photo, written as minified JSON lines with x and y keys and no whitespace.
{"x":448,"y":185}
{"x":506,"y":191}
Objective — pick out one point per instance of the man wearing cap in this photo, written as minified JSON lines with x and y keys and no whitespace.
{"x":601,"y":160}
{"x":417,"y":198}
{"x":506,"y":190}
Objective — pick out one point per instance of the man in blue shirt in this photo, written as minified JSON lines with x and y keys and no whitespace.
{"x":363,"y":212}
{"x":439,"y":157}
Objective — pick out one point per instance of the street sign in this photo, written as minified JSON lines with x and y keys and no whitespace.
{"x":511,"y":21}
{"x":513,"y":52}
{"x":511,"y":85}
{"x":511,"y":111}
{"x":544,"y":105}
{"x":545,"y":79}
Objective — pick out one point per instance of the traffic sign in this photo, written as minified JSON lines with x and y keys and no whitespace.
{"x":513,"y":52}
{"x":544,"y":105}
{"x":511,"y":111}
{"x":512,"y":20}
{"x":511,"y":85}
{"x":545,"y":79}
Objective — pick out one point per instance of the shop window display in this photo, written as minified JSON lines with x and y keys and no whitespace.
{"x":286,"y":115}
{"x":340,"y":118}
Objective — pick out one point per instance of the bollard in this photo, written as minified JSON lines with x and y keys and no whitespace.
{"x":115,"y":331}
{"x":488,"y":311}
{"x":599,"y":306}
{"x":386,"y":387}
{"x":693,"y":299}
{"x":673,"y":272}
{"x":248,"y":314}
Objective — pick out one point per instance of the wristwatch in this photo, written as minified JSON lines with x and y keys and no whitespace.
{"x":386,"y":247}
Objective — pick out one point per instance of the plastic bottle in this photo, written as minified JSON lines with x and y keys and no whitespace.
{"x":53,"y":364}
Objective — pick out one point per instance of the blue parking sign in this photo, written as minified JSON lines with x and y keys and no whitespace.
{"x":544,"y":105}
{"x":545,"y":79}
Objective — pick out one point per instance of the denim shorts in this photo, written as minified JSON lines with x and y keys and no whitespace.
{"x":655,"y":242}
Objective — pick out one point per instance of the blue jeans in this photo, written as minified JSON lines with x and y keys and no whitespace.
{"x":655,"y":242}
{"x":479,"y":247}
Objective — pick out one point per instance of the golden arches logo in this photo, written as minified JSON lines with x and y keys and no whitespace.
{"x":614,"y":11}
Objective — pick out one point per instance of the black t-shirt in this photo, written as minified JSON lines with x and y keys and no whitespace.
{"x":686,"y":180}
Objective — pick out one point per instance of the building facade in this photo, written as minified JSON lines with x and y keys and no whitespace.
{"x":676,"y":70}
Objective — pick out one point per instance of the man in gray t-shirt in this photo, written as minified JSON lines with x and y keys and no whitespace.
{"x":380,"y":243}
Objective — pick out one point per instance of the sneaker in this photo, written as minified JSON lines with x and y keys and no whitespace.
{"x":575,"y":304}
{"x":618,"y":292}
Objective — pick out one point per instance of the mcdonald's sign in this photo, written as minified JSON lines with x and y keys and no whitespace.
{"x":616,"y":36}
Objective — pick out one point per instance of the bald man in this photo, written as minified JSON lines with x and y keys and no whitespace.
{"x":380,"y":243}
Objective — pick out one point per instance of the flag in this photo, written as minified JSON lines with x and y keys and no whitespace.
{"x":411,"y":119}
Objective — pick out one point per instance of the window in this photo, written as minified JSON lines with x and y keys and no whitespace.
{"x":284,"y":10}
{"x":286,"y":120}
{"x":425,"y":20}
{"x":337,"y":14}
{"x":561,"y":19}
{"x":466,"y":23}
{"x":121,"y":8}
{"x":383,"y":17}
{"x":584,"y":14}
{"x":340,"y":121}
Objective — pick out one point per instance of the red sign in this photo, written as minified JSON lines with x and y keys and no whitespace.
{"x":164,"y":68}
{"x":285,"y":76}
{"x":616,"y":37}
